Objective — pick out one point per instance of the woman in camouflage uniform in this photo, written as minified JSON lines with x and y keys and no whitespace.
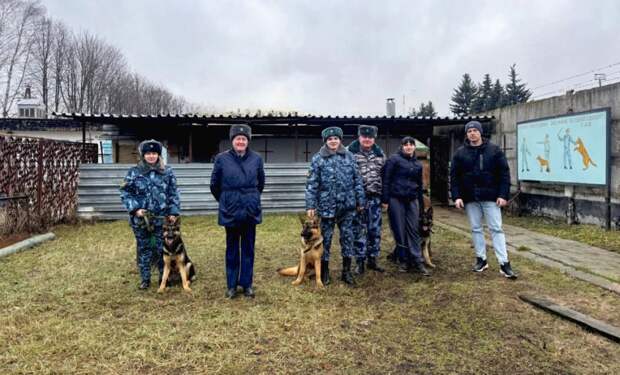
{"x":149,"y":193}
{"x":334,"y":191}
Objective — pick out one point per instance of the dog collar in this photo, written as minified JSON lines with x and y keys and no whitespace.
{"x":314,"y":245}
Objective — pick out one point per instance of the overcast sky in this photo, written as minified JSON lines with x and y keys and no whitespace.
{"x":347,"y":57}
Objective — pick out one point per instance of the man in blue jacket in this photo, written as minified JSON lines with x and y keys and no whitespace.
{"x":237,"y":181}
{"x":480,"y":183}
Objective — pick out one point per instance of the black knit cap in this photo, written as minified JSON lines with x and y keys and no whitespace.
{"x":240,"y":129}
{"x":368,"y":131}
{"x":407,"y":139}
{"x":150,"y":145}
{"x":475,"y":125}
{"x":333,"y":131}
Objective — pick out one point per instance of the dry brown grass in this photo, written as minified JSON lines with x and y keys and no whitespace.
{"x":72,"y":306}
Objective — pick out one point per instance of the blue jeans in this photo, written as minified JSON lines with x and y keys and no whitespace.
{"x":493,"y":215}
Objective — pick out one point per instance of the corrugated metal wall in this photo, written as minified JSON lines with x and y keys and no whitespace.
{"x":99,"y":197}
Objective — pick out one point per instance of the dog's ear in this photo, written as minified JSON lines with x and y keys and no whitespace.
{"x":178,"y":220}
{"x":302,"y":218}
{"x":430,"y":211}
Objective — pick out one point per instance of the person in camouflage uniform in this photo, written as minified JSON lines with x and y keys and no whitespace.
{"x":367,"y":223}
{"x":334,"y":191}
{"x":149,"y":193}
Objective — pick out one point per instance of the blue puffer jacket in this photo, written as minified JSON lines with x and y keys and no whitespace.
{"x":402,"y":178}
{"x":479,"y":173}
{"x":334,"y":184}
{"x":237,"y":183}
{"x":151,"y":188}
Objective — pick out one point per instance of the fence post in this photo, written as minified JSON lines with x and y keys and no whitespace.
{"x":40,"y":181}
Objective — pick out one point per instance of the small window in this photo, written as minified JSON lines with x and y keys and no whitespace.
{"x":21,"y":112}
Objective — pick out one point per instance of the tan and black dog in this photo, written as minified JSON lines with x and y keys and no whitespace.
{"x":176,"y":260}
{"x":426,"y":229}
{"x":310,"y":252}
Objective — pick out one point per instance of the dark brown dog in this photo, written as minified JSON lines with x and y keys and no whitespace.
{"x":309,"y":254}
{"x":176,"y":260}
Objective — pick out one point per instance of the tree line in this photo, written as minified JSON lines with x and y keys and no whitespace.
{"x":469,"y":98}
{"x":69,"y":71}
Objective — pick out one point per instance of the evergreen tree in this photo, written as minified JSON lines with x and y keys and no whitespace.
{"x":515,"y":91}
{"x":463,"y":97}
{"x":427,"y":110}
{"x":485,"y":92}
{"x":497,"y":98}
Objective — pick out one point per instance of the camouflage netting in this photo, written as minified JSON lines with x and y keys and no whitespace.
{"x":42,"y":175}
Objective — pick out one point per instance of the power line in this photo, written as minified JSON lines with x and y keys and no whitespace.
{"x":610,"y":79}
{"x":576,"y":76}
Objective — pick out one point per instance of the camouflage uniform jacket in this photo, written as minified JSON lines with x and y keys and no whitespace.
{"x":151,"y":189}
{"x":370,"y":165}
{"x":334,"y":184}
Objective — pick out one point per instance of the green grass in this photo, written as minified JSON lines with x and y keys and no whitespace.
{"x":589,"y":234}
{"x":72,"y":306}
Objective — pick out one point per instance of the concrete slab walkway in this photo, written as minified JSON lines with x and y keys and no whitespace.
{"x":595,"y":265}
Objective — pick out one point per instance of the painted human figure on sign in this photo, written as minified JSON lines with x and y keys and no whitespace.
{"x":567,"y":140}
{"x":546,"y":146}
{"x":524,"y":154}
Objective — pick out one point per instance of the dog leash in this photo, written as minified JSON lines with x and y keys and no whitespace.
{"x":150,"y":226}
{"x":513,"y":198}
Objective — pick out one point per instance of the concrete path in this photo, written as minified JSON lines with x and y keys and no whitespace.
{"x":589,"y":263}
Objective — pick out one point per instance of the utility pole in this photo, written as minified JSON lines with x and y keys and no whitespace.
{"x":600,"y":77}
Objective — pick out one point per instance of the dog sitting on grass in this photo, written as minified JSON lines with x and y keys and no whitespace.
{"x":176,"y":261}
{"x":310,"y":252}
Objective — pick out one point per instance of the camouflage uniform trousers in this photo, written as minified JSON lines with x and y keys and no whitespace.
{"x":344,"y":219}
{"x":367,"y":229}
{"x":148,"y":248}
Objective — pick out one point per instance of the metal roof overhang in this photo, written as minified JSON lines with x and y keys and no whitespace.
{"x":276,"y":124}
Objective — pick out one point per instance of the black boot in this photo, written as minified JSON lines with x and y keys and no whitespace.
{"x":419,"y":267}
{"x":347,"y":277}
{"x":145,"y":284}
{"x":372,"y":265}
{"x":360,"y":268}
{"x":325,"y":272}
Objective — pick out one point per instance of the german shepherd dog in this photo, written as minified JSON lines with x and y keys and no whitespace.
{"x":176,"y":260}
{"x":426,"y":228}
{"x":310,"y":252}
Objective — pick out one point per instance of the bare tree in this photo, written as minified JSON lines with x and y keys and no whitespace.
{"x":42,"y":57}
{"x":17,"y":39}
{"x":61,"y":39}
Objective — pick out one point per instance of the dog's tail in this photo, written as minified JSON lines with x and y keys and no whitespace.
{"x":289,"y":271}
